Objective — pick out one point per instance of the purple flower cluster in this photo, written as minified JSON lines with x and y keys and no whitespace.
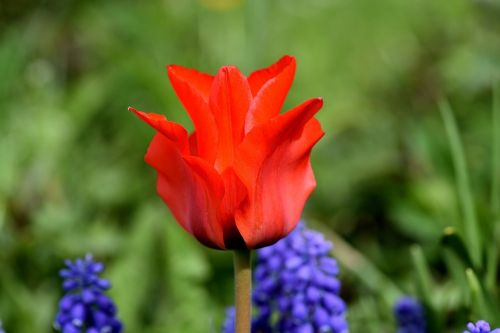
{"x":410,"y":316}
{"x":85,"y":307}
{"x":296,"y":287}
{"x":230,"y":321}
{"x":1,"y":327}
{"x":480,"y":327}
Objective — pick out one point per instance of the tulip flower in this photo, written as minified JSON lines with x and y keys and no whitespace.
{"x":241,"y":179}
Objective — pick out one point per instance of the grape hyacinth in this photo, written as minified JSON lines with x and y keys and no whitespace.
{"x":296,"y":287}
{"x":85,"y":307}
{"x":410,"y":316}
{"x":229,"y":321}
{"x":1,"y":327}
{"x":480,"y":327}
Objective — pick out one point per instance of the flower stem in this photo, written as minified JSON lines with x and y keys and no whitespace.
{"x":243,"y":290}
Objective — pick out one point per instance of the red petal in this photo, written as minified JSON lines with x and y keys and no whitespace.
{"x":272,"y":93}
{"x":273,"y":163}
{"x":229,"y":102}
{"x":198,"y":81}
{"x":193,"y":144}
{"x":190,"y":188}
{"x":258,"y":78}
{"x":235,"y":194}
{"x":193,"y":89}
{"x":173,"y":131}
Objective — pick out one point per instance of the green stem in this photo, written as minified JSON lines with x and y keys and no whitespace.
{"x":243,"y":290}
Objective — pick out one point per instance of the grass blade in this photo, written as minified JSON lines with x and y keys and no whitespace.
{"x":492,"y":250}
{"x":424,"y":279}
{"x":495,"y":176}
{"x":478,"y":302}
{"x":470,"y":222}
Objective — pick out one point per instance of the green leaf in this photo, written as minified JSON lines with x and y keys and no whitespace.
{"x":470,"y":222}
{"x":490,"y":276}
{"x":479,"y":304}
{"x":424,"y":278}
{"x":495,"y":176}
{"x":452,"y":240}
{"x":456,"y":269}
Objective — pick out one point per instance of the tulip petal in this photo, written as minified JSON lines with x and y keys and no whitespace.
{"x":258,"y":78}
{"x":193,"y":144}
{"x":235,"y":194}
{"x":190,"y":188}
{"x":273,"y":162}
{"x":198,"y":81}
{"x":273,"y":84}
{"x":193,"y":89}
{"x":229,"y":101}
{"x":171,"y":130}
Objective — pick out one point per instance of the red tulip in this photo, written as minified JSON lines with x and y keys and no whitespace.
{"x":241,"y":179}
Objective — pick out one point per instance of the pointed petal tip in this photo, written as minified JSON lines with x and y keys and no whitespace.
{"x":287,"y":59}
{"x":173,"y":70}
{"x":227,"y":69}
{"x":171,"y":67}
{"x":316,"y":102}
{"x":284,"y":62}
{"x":138,"y":113}
{"x":152,"y":119}
{"x":177,"y":70}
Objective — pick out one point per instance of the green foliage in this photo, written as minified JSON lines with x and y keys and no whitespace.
{"x":412,"y":201}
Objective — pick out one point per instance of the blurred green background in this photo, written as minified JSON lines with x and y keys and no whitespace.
{"x":73,"y":180}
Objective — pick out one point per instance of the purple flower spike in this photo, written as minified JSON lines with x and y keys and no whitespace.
{"x":410,"y":316}
{"x":296,"y":287}
{"x":85,"y":307}
{"x":480,"y":327}
{"x":229,"y":322}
